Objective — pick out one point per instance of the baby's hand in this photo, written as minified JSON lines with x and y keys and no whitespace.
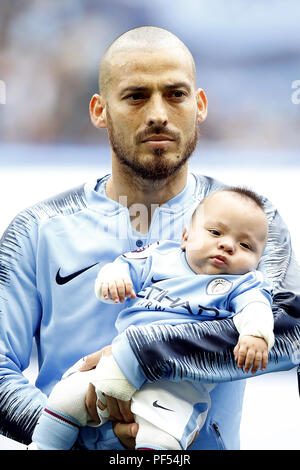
{"x":251,"y":351}
{"x":118,"y":289}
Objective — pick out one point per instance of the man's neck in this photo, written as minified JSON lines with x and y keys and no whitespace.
{"x":142,"y":196}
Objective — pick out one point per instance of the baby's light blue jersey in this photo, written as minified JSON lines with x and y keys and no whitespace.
{"x":168,"y":291}
{"x":49,"y":258}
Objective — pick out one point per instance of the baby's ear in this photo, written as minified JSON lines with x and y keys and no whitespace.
{"x":258,"y":264}
{"x":185,"y":236}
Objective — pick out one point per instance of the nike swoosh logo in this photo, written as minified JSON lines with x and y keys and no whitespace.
{"x":158,"y":280}
{"x":61,"y":280}
{"x":156,"y":405}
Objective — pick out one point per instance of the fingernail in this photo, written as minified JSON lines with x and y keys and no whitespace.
{"x":133,"y":429}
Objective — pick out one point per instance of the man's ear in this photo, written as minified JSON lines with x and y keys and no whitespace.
{"x":98,"y":111}
{"x":202,"y":105}
{"x":185,"y":236}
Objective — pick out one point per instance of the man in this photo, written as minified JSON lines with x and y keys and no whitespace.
{"x":51,"y":252}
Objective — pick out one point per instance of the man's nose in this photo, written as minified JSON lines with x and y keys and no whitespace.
{"x":157,"y":113}
{"x":226,"y":244}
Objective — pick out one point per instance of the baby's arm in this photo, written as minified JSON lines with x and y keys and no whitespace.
{"x":251,"y":351}
{"x":255,"y":324}
{"x":113,"y":283}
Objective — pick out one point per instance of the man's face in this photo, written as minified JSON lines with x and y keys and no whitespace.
{"x":151,"y":111}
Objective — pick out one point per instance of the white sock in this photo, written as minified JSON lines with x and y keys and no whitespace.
{"x":109,"y":379}
{"x":68,"y":397}
{"x":151,"y":437}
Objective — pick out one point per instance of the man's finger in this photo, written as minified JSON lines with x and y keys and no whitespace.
{"x":119,"y":410}
{"x":113,"y":409}
{"x":125,"y":410}
{"x":90,"y":403}
{"x":126,"y":433}
{"x":101,"y":400}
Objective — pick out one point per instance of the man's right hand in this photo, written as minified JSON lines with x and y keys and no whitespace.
{"x":126,"y":433}
{"x":119,"y":411}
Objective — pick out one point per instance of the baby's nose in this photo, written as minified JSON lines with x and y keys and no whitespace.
{"x":227,"y":245}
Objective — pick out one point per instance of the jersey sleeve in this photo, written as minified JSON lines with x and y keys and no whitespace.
{"x":256,"y":319}
{"x":139,"y":264}
{"x":20,"y":310}
{"x":251,"y":302}
{"x":252,"y":288}
{"x":204,"y":351}
{"x":134,"y":265}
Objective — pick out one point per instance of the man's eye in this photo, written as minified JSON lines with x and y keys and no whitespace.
{"x":215,"y":232}
{"x":135,"y":97}
{"x":177,"y":94}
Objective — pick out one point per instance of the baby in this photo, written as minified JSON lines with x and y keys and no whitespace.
{"x":210,"y":275}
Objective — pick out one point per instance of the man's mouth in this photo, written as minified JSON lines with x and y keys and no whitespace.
{"x":158,"y":141}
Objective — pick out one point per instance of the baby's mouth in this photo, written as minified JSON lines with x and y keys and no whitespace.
{"x":219,"y":260}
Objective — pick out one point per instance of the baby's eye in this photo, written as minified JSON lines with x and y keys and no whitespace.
{"x":215,"y":232}
{"x":246,"y":245}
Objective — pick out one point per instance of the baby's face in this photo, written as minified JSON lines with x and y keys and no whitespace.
{"x":227,"y":236}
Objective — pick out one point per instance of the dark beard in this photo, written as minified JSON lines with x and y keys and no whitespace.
{"x":158,"y":169}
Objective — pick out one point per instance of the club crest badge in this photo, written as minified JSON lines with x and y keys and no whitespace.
{"x":219,"y":285}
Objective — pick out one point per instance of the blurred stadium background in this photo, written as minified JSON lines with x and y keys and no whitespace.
{"x":247,"y":55}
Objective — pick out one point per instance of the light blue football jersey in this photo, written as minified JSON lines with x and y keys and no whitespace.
{"x":169,"y":291}
{"x":49,"y":257}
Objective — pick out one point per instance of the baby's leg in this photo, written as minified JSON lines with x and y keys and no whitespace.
{"x":65,"y":412}
{"x":169,"y":414}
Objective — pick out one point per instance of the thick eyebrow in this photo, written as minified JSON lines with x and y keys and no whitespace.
{"x":178,"y":85}
{"x":133,"y":89}
{"x":139,"y":89}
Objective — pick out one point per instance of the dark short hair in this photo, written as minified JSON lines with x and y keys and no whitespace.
{"x":246,"y":193}
{"x":242,"y":191}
